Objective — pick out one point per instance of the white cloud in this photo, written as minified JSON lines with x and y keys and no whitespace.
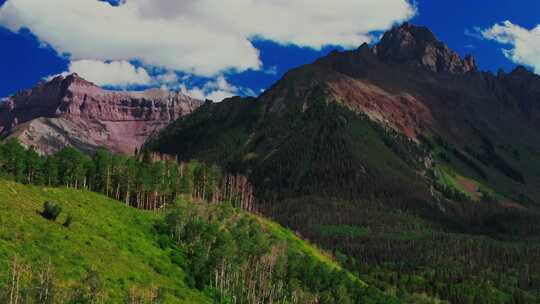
{"x":201,"y":37}
{"x":219,"y":96}
{"x":115,"y":73}
{"x":273,"y":70}
{"x":221,"y":84}
{"x":123,"y":74}
{"x":475,"y":33}
{"x":215,"y":90}
{"x":249,"y":92}
{"x":167,"y":78}
{"x":525,"y":44}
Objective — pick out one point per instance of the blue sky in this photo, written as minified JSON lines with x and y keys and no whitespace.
{"x":243,"y":61}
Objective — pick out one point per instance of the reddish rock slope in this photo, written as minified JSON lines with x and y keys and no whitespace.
{"x":70,"y":111}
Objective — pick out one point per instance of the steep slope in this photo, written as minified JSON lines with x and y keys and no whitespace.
{"x":399,"y":156}
{"x":70,"y":111}
{"x":111,"y":253}
{"x":107,"y":243}
{"x":409,"y":84}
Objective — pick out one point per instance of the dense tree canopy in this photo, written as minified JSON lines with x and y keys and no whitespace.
{"x":147,"y":181}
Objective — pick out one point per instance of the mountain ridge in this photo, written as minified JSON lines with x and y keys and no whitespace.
{"x":70,"y":111}
{"x":423,"y":116}
{"x":399,"y":157}
{"x":443,"y":96}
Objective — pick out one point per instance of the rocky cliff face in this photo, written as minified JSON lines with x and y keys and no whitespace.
{"x":70,"y":111}
{"x":418,"y":46}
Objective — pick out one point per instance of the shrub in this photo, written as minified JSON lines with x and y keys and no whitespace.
{"x":68,"y":221}
{"x":51,"y":211}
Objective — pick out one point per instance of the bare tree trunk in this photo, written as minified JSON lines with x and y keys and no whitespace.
{"x":16,"y":273}
{"x":13,"y":280}
{"x":127,"y":197}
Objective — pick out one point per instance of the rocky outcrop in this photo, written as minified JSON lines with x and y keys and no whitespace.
{"x":526,"y":86}
{"x":70,"y":111}
{"x":418,"y":46}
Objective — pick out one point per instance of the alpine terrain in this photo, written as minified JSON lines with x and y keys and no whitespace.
{"x":405,"y":158}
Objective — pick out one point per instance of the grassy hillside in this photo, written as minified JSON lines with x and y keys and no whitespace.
{"x":111,"y":253}
{"x":115,"y":242}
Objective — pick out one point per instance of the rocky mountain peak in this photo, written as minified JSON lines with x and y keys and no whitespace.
{"x":417,"y":45}
{"x":65,"y":82}
{"x":75,"y":79}
{"x":522,"y":79}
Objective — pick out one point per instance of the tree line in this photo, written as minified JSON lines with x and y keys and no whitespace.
{"x":146,"y":181}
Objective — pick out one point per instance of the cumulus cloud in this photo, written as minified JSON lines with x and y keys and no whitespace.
{"x":123,"y":74}
{"x":201,"y":37}
{"x":115,"y":73}
{"x":215,"y":90}
{"x":167,"y":78}
{"x":273,"y":70}
{"x":524,"y":44}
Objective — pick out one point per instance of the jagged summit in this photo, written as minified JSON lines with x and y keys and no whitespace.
{"x":70,"y":78}
{"x":65,"y":82}
{"x":407,"y":44}
{"x":522,"y":70}
{"x":417,"y":45}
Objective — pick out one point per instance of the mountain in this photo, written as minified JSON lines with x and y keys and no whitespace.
{"x":403,"y":155}
{"x":70,"y":111}
{"x":410,"y":87}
